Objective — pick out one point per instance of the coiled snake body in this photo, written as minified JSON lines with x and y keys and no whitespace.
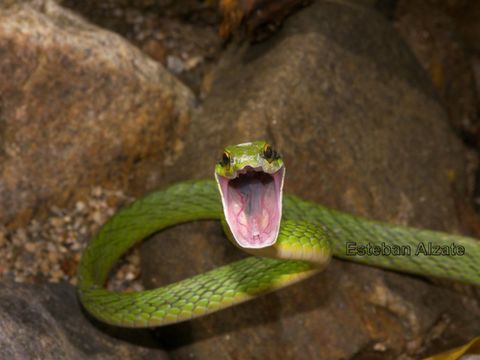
{"x":291,"y":237}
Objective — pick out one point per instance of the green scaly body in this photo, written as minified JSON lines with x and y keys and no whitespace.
{"x":306,"y":230}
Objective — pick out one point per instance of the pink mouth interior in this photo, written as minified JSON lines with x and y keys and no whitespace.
{"x":253,"y":206}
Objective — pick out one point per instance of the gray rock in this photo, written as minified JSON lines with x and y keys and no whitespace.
{"x":356,"y":118}
{"x":79,"y":106}
{"x":46,"y":322}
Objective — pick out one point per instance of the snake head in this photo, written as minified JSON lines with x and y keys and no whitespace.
{"x":250,"y":178}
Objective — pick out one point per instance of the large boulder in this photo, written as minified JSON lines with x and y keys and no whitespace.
{"x":79,"y":107}
{"x":46,"y":322}
{"x":361,"y":130}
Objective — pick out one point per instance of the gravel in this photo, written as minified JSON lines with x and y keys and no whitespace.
{"x":50,"y":250}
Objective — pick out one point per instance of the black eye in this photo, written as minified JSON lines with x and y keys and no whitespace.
{"x":268,"y":152}
{"x":225,"y":159}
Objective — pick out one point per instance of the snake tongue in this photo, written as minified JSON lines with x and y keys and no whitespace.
{"x":252,"y":203}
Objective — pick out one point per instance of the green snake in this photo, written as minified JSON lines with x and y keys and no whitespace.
{"x":290,"y":239}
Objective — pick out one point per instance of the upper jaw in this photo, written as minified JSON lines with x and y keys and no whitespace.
{"x":245,"y":169}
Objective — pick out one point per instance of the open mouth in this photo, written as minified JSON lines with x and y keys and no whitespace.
{"x":252,"y":203}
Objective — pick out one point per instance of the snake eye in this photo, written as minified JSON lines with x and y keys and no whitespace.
{"x":225,"y":159}
{"x":268,"y":153}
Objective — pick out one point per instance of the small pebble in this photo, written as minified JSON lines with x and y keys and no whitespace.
{"x":97,"y":217}
{"x":56,"y":222}
{"x":30,"y":247}
{"x":193,"y":62}
{"x":97,"y":191}
{"x":80,"y":206}
{"x":175,"y":64}
{"x":380,"y":347}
